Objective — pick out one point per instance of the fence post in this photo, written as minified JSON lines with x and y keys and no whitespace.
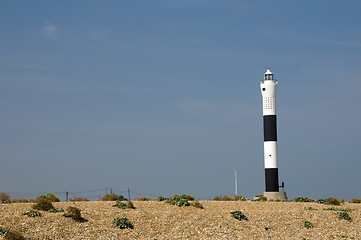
{"x":129,"y":194}
{"x":67,"y":194}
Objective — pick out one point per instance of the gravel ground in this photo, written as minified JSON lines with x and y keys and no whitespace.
{"x":159,"y":220}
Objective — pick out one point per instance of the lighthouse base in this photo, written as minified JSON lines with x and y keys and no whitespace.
{"x":275,"y":195}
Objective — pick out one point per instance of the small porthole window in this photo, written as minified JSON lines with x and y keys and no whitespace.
{"x":263,"y":89}
{"x":270,"y":155}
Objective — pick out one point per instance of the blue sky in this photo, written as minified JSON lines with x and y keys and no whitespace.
{"x":163,"y":96}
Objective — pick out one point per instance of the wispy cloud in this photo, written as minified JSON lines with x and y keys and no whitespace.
{"x":50,"y":30}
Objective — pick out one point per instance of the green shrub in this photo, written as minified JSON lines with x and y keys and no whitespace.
{"x":123,"y":223}
{"x":52,"y":198}
{"x":4,"y":198}
{"x":355,"y":200}
{"x":19,"y":200}
{"x":160,"y":199}
{"x":260,"y":198}
{"x":142,"y":199}
{"x":302,"y":199}
{"x":309,"y":208}
{"x":3,"y":231}
{"x":217,"y":198}
{"x":42,"y":204}
{"x":10,"y":235}
{"x":188,"y":197}
{"x":339,"y":209}
{"x":239,"y":198}
{"x":197,"y":204}
{"x":55,"y":210}
{"x":344,"y":215}
{"x":329,"y":201}
{"x":121,"y":205}
{"x":78,"y":199}
{"x":32,"y":213}
{"x":239,"y":215}
{"x":74,"y":213}
{"x":178,"y":201}
{"x":308,"y":225}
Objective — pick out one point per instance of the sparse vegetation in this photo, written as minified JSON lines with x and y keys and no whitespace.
{"x":4,"y":198}
{"x":178,"y":201}
{"x":42,"y":204}
{"x":55,"y":210}
{"x":188,"y":197}
{"x":197,"y":204}
{"x":309,"y":208}
{"x":74,"y":213}
{"x":19,"y":200}
{"x":308,"y":225}
{"x":160,"y":199}
{"x":339,"y":209}
{"x":3,"y":231}
{"x":123,"y":223}
{"x":329,"y":201}
{"x":260,"y":198}
{"x":344,"y":216}
{"x":355,"y":200}
{"x":142,"y":199}
{"x":113,"y":197}
{"x":10,"y":235}
{"x":239,"y":215}
{"x":78,"y":199}
{"x":121,"y":205}
{"x":302,"y":199}
{"x":239,"y":198}
{"x":52,"y":198}
{"x":32,"y":213}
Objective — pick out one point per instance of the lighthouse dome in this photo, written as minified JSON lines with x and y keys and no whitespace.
{"x":268,"y":75}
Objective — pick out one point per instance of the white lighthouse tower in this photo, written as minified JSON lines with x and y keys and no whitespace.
{"x":269,"y":90}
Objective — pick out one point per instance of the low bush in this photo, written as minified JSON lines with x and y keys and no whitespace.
{"x":123,"y":223}
{"x":10,"y":235}
{"x":42,"y":204}
{"x":329,"y":201}
{"x":130,"y":205}
{"x":339,"y":209}
{"x":178,"y":201}
{"x":121,"y":205}
{"x":3,"y":231}
{"x":309,"y":208}
{"x":224,"y":198}
{"x":160,"y":199}
{"x":55,"y":210}
{"x":19,"y":200}
{"x":188,"y":197}
{"x":78,"y":199}
{"x":32,"y":213}
{"x":74,"y":213}
{"x":142,"y":199}
{"x":113,"y":197}
{"x":239,"y":215}
{"x":308,"y":225}
{"x":260,"y":198}
{"x":197,"y":204}
{"x":355,"y":200}
{"x":52,"y":198}
{"x":239,"y":198}
{"x":302,"y":199}
{"x":4,"y":198}
{"x":344,"y":216}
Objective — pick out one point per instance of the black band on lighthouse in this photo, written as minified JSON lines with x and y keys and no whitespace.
{"x":270,"y":128}
{"x":272,"y":180}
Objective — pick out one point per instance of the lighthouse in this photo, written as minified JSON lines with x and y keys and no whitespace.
{"x":269,"y":90}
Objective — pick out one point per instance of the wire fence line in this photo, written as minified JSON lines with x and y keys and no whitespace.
{"x":95,"y":194}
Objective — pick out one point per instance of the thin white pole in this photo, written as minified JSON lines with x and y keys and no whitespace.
{"x":235,"y":181}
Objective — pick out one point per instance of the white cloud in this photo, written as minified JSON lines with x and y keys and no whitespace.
{"x":50,"y":30}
